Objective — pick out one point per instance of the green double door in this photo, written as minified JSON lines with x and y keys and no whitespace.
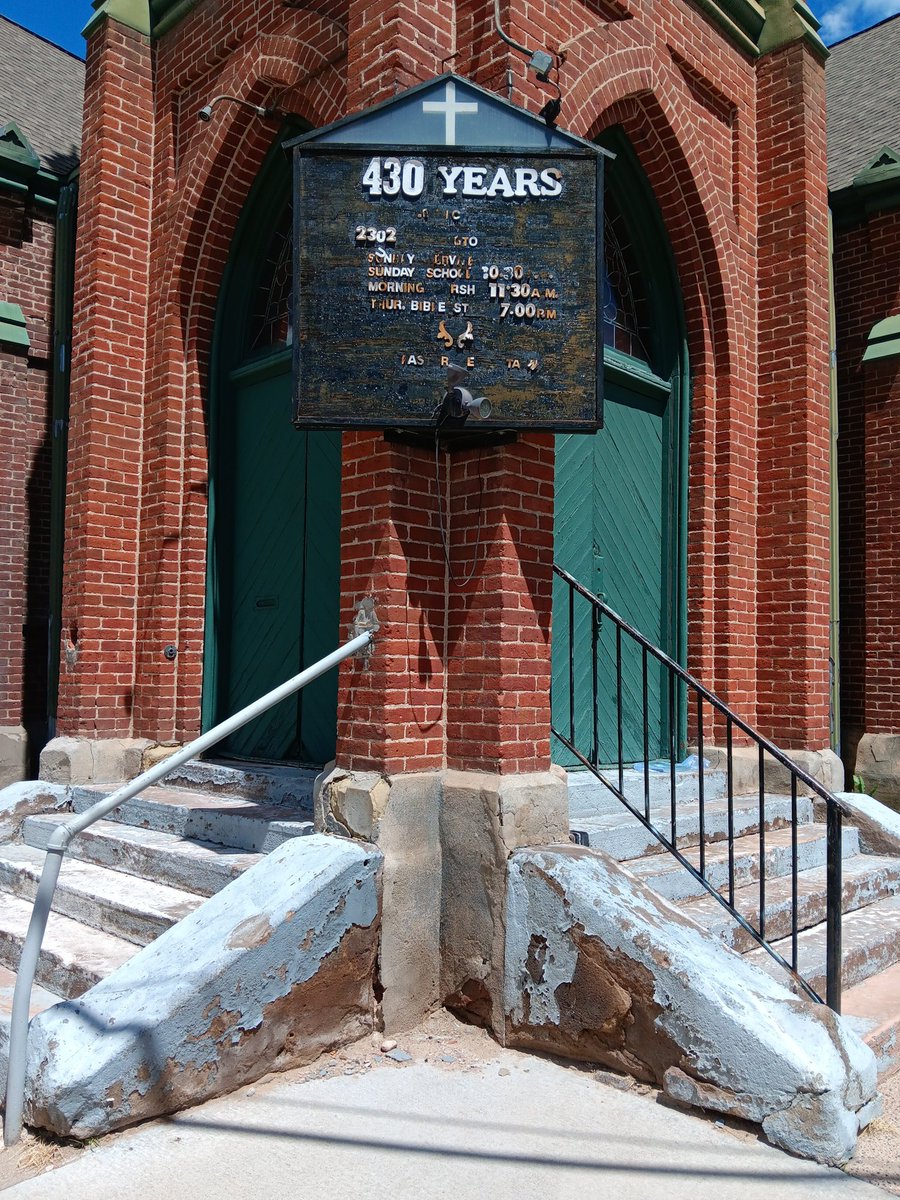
{"x":616,"y":531}
{"x":275,"y":566}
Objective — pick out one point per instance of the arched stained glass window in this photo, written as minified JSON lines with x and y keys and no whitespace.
{"x":626,"y":317}
{"x":269,"y":324}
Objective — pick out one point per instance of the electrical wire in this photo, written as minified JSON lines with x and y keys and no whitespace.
{"x":440,"y":506}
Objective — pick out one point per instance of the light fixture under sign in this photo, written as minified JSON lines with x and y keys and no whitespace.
{"x":459,"y":404}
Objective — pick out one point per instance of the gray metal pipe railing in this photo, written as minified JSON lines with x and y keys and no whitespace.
{"x":63,"y":835}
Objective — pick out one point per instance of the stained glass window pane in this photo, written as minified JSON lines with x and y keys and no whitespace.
{"x":625,"y":310}
{"x":270,"y":309}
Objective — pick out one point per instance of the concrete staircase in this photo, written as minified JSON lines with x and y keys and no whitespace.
{"x":871,"y":886}
{"x":127,"y":879}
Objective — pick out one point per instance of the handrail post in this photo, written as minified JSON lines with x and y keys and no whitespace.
{"x":63,"y":835}
{"x":18,"y":1026}
{"x":834,"y":907}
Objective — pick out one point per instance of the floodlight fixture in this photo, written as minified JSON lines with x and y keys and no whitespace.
{"x":205,"y":113}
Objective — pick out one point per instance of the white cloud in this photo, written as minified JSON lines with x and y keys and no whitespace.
{"x":844,"y":17}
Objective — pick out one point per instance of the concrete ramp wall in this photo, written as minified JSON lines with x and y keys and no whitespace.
{"x":600,"y":968}
{"x":268,"y":973}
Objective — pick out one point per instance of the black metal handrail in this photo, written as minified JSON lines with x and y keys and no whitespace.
{"x":675,"y":675}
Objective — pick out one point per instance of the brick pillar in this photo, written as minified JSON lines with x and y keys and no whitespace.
{"x":443,"y":749}
{"x":390,"y":715}
{"x":793,"y":512}
{"x":461,"y":674}
{"x":392,"y":45}
{"x":498,"y":657}
{"x":109,"y":339}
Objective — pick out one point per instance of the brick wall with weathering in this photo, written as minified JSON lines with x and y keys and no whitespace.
{"x":27,"y":233}
{"x":706,"y":121}
{"x":867,"y":289}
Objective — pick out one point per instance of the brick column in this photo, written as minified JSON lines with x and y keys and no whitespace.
{"x":793,"y":512}
{"x":390,"y":715}
{"x":392,"y":45}
{"x":461,"y":674}
{"x":109,"y":340}
{"x":498,"y":657}
{"x":443,"y":749}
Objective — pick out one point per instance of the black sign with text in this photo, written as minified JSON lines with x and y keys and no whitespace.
{"x":408,"y":262}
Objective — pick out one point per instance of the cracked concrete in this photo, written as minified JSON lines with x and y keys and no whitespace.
{"x":625,"y":979}
{"x":271,"y":971}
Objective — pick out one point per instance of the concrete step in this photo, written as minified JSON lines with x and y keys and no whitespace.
{"x":589,"y":799}
{"x":870,"y":939}
{"x":867,"y":878}
{"x":287,"y":787}
{"x":138,"y":910}
{"x":73,"y":958}
{"x":622,"y":836}
{"x":223,"y":819}
{"x":41,"y":998}
{"x":194,"y":866}
{"x":666,"y":875}
{"x":873,"y":1009}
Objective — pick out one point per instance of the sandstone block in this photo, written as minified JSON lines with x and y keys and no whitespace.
{"x":878,"y":765}
{"x":13,"y":754}
{"x":67,"y":760}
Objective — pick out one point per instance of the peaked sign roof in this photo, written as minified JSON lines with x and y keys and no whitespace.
{"x":448,"y":111}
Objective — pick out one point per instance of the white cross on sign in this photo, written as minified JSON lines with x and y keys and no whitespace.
{"x":449,"y":107}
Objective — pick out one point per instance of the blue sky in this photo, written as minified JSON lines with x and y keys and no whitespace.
{"x":61,"y":21}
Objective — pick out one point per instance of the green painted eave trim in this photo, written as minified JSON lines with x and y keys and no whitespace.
{"x":16,"y":150}
{"x":135,"y":14}
{"x":884,"y":165}
{"x":884,"y":339}
{"x":867,"y":196}
{"x":41,"y":186}
{"x":12,"y":326}
{"x":760,"y":26}
{"x":164,"y":14}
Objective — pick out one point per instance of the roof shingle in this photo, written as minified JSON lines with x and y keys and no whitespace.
{"x":863,"y":95}
{"x":41,"y":89}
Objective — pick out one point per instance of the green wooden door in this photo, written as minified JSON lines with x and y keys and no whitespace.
{"x":620,"y":495}
{"x":274,"y":530}
{"x":615,"y":525}
{"x":278,"y":511}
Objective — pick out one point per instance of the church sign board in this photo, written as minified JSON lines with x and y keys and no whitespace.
{"x":423,"y":243}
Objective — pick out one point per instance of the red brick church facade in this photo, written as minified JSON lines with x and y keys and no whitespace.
{"x":725,"y":112}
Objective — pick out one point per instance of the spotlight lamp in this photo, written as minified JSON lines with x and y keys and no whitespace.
{"x":205,"y":113}
{"x":459,"y":404}
{"x":539,"y":61}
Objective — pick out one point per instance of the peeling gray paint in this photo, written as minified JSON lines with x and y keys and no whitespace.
{"x":20,"y":800}
{"x":283,"y":956}
{"x":879,"y":826}
{"x":672,"y":996}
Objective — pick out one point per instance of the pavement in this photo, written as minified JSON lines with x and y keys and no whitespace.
{"x":462,"y":1118}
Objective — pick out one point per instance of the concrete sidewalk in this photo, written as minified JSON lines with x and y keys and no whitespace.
{"x":491,"y":1124}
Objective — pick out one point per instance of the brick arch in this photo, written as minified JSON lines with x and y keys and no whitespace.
{"x":644,"y":94}
{"x":637,"y":89}
{"x":285,"y":68}
{"x":291,"y":68}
